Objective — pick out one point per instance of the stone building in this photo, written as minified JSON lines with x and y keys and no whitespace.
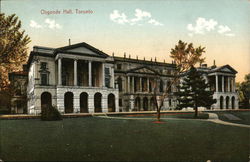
{"x":18,"y":101}
{"x":75,"y":78}
{"x":136,"y":80}
{"x":222,"y":82}
{"x":82,"y":79}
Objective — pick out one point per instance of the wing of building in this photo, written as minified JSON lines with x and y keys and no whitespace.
{"x":80,"y":78}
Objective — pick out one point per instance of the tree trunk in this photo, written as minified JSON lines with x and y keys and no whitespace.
{"x":158,"y":115}
{"x":196,"y":112}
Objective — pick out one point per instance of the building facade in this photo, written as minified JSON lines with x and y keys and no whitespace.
{"x":140,"y":80}
{"x":75,"y":78}
{"x":82,"y":79}
{"x":222,"y":82}
{"x":19,"y":81}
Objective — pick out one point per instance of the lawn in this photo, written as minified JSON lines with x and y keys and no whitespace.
{"x":104,"y":139}
{"x":243,"y":115}
{"x":183,"y":115}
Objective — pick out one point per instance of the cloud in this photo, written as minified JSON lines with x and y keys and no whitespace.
{"x":139,"y":18}
{"x":223,"y":29}
{"x":154,"y":22}
{"x":118,"y":17}
{"x":34,"y":24}
{"x":48,"y":23}
{"x":52,"y":24}
{"x":230,"y":34}
{"x":203,"y":26}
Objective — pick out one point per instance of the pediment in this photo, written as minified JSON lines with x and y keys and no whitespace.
{"x":82,"y":48}
{"x":143,"y":70}
{"x":227,"y":69}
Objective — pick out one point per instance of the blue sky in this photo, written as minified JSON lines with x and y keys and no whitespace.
{"x":143,"y":28}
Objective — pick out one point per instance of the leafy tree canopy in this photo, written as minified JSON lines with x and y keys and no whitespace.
{"x":244,"y":92}
{"x":13,"y":47}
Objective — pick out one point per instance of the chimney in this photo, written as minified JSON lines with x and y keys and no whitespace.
{"x":164,"y":60}
{"x":136,"y":57}
{"x":129,"y":56}
{"x":155,"y":59}
{"x":113,"y":54}
{"x":69,"y":42}
{"x":204,"y":65}
{"x":124,"y":54}
{"x":151,"y":59}
{"x":144,"y":58}
{"x":214,"y":63}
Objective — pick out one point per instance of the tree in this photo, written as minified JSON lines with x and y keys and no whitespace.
{"x":185,"y":56}
{"x":244,"y":92}
{"x":13,"y":47}
{"x":194,"y":92}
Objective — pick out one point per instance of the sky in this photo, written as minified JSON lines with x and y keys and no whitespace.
{"x":143,"y":28}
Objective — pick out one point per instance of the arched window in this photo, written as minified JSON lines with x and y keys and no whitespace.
{"x":46,"y":100}
{"x":98,"y":102}
{"x":221,"y":102}
{"x":111,"y":102}
{"x":68,"y":102}
{"x":137,"y":103}
{"x":233,"y":102}
{"x":145,"y":104}
{"x":84,"y":102}
{"x":227,"y":102}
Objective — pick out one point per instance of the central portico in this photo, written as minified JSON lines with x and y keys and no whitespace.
{"x":83,"y":79}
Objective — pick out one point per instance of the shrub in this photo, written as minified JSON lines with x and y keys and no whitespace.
{"x":50,"y":113}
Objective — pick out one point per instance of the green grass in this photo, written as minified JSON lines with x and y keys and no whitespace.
{"x":102,"y":139}
{"x":183,"y":115}
{"x":243,"y":115}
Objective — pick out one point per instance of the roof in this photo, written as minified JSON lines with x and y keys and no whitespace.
{"x":68,"y":49}
{"x":224,"y":69}
{"x":144,"y":62}
{"x":87,"y":50}
{"x":143,"y":69}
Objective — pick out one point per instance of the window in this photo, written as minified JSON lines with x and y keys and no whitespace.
{"x":119,"y":66}
{"x":161,"y":86}
{"x":119,"y":81}
{"x":44,"y":79}
{"x":44,"y":73}
{"x":107,"y":77}
{"x":43,"y":66}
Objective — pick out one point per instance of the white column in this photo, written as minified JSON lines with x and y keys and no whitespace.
{"x":128,"y":84}
{"x":216,"y":83}
{"x":233,"y":85}
{"x":75,"y":72}
{"x":147,"y":84}
{"x":222,"y":80}
{"x":90,"y":74}
{"x":206,"y":81}
{"x":133,"y":84}
{"x":59,"y":71}
{"x":112,"y":77}
{"x":228,"y":84}
{"x":140,"y":85}
{"x":103,"y":75}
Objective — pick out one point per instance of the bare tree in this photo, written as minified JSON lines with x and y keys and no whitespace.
{"x":185,"y":56}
